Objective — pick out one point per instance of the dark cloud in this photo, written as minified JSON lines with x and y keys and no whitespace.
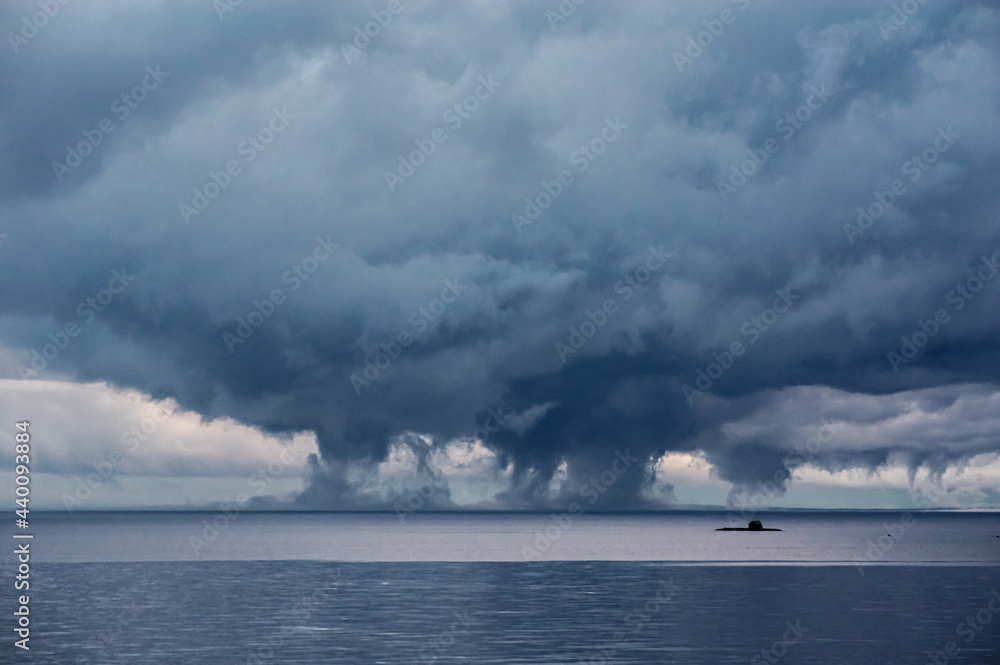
{"x":491,"y":340}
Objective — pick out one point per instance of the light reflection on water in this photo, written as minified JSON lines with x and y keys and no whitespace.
{"x":307,"y":588}
{"x":828,"y":537}
{"x":493,"y":613}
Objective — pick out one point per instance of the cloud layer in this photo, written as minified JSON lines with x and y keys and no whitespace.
{"x":617,"y":239}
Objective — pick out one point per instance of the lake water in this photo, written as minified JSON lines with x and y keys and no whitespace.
{"x":352,"y":588}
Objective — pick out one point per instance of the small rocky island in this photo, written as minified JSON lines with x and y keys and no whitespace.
{"x":755,"y":525}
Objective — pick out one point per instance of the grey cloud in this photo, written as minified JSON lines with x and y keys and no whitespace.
{"x":657,"y":185}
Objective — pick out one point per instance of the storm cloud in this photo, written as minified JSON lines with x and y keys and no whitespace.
{"x":509,"y":241}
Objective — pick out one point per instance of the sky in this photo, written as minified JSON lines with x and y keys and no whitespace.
{"x":501,"y":254}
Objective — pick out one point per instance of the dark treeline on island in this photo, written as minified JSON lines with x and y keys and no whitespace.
{"x":755,"y":525}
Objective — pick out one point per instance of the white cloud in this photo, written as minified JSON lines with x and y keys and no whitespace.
{"x":79,"y":430}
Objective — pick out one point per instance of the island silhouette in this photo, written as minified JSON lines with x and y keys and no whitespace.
{"x":754,"y":525}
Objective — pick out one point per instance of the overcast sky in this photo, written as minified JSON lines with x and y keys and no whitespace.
{"x":502,"y":254}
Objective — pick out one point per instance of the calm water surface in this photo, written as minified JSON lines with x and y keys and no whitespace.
{"x":962,"y":538}
{"x":129,"y":588}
